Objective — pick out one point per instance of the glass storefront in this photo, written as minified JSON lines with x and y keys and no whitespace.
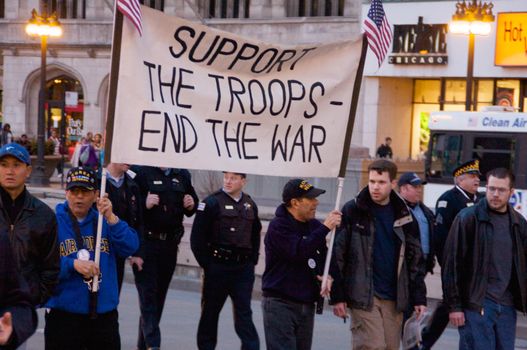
{"x":65,"y":99}
{"x":431,"y":95}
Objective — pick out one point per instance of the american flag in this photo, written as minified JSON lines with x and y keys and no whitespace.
{"x":132,"y":10}
{"x":378,"y":30}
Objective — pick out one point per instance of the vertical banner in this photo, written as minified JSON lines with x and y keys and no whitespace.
{"x":195,"y":97}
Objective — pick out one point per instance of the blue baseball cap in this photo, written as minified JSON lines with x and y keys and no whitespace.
{"x":410,"y":179}
{"x":15,"y":150}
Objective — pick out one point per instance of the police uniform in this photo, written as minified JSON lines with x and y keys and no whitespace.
{"x":163,"y":229}
{"x":127,"y":204}
{"x":448,"y":205}
{"x":225,"y":240}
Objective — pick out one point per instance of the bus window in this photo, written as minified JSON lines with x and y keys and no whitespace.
{"x":446,"y":154}
{"x":494,"y":152}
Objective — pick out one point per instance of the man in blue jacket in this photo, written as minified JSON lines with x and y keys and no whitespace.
{"x":68,"y":323}
{"x":295,"y":251}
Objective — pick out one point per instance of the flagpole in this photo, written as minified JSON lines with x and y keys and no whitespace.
{"x":345,"y":150}
{"x":114,"y":73}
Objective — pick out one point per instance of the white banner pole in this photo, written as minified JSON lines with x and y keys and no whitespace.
{"x":340,"y":186}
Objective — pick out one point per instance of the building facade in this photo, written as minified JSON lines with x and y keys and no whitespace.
{"x":78,"y":63}
{"x":426,"y":71}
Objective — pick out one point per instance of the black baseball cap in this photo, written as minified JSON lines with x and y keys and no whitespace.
{"x":81,"y":177}
{"x":410,"y":179}
{"x":300,"y":188}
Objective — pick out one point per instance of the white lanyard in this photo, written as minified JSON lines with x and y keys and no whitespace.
{"x":464,"y":194}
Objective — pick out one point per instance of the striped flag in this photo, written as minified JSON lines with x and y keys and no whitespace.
{"x":378,"y":30}
{"x":132,"y":10}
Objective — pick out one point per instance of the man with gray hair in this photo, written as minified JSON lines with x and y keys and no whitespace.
{"x":449,"y":204}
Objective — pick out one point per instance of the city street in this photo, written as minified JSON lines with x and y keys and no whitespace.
{"x":181,"y":317}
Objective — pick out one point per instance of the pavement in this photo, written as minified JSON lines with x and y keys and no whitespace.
{"x":182,"y":308}
{"x":181,"y":316}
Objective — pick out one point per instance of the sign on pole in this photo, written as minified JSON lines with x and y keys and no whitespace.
{"x":190,"y":96}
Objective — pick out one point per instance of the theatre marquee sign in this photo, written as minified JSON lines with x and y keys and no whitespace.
{"x":421,"y":44}
{"x":511,"y":39}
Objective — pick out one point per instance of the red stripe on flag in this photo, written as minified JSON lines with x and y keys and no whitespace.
{"x":132,"y":10}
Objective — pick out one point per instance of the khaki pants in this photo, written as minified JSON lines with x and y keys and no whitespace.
{"x":378,"y":329}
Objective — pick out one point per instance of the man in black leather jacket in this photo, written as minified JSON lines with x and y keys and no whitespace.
{"x":380,"y":260}
{"x":18,"y":319}
{"x":31,"y":225}
{"x":484,"y":268}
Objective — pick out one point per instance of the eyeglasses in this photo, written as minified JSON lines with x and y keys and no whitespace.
{"x":500,"y":190}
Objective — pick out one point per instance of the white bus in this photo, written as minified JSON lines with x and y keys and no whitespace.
{"x":497,"y":139}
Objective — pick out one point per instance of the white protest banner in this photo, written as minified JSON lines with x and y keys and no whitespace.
{"x":190,"y":96}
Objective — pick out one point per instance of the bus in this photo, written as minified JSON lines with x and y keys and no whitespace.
{"x":496,"y":138}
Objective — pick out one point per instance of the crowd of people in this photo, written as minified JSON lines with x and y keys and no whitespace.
{"x":386,"y":241}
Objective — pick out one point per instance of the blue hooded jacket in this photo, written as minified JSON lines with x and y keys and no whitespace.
{"x":72,"y":293}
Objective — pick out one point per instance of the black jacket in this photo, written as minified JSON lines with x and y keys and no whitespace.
{"x":14,"y":297}
{"x":33,"y":238}
{"x":167,"y":217}
{"x":295,"y":253}
{"x":353,"y":252}
{"x":467,"y":258}
{"x":448,"y":205}
{"x":131,"y":208}
{"x":207,"y":225}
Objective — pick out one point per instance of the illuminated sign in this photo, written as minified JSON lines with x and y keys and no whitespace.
{"x":511,"y":39}
{"x":419,"y":44}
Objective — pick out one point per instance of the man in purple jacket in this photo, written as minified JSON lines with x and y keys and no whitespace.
{"x":295,"y":251}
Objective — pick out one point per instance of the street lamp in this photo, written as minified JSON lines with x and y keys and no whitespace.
{"x":42,"y":26}
{"x":471,"y":18}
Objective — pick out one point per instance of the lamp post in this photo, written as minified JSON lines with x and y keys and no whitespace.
{"x":42,"y":26}
{"x":471,"y":18}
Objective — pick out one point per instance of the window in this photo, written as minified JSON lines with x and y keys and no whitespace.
{"x":2,"y":8}
{"x":427,"y":91}
{"x":455,"y":91}
{"x":494,"y":152}
{"x":225,"y":8}
{"x":485,"y":93}
{"x":67,"y":8}
{"x":508,"y":93}
{"x":446,"y":155}
{"x":155,"y":4}
{"x":312,"y":8}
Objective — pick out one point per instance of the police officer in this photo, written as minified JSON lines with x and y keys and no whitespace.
{"x":225,"y":240}
{"x":168,"y":195}
{"x":125,"y":196}
{"x":449,"y":204}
